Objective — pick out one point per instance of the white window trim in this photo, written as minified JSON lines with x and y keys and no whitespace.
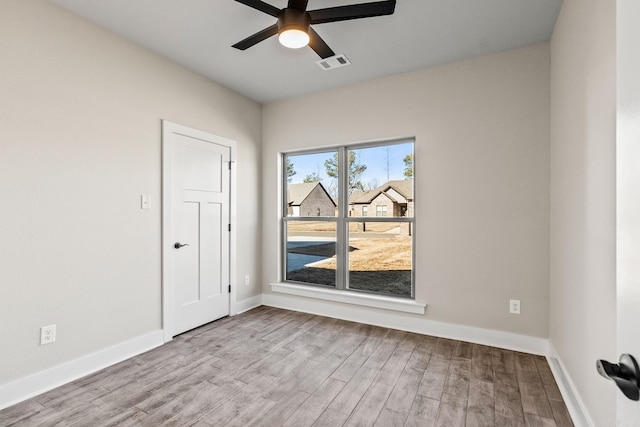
{"x":340,"y":293}
{"x":350,"y":297}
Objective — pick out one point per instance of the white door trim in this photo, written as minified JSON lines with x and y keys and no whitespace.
{"x":168,"y":129}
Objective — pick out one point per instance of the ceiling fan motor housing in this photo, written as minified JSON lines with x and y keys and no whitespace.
{"x":293,"y":19}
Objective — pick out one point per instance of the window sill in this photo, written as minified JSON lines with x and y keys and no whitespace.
{"x":356,"y":298}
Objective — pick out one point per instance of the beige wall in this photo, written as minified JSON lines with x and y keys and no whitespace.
{"x":80,"y":141}
{"x":583,"y":271}
{"x":481,"y":178}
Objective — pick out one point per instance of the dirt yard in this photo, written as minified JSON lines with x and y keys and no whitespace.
{"x":376,"y":265}
{"x":378,"y":227}
{"x":376,"y":255}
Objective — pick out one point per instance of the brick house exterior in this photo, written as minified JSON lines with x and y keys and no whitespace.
{"x":394,"y":198}
{"x":309,"y":199}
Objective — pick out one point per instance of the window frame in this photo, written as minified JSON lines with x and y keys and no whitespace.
{"x":342,"y":219}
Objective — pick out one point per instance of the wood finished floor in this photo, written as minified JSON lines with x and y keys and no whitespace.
{"x":273,"y":367}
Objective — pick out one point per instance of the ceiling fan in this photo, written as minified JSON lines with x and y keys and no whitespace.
{"x":294,"y":22}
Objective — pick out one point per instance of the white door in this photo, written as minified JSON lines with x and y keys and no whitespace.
{"x":628,"y":195}
{"x":196,"y":237}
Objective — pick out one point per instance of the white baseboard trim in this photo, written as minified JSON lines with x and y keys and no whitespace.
{"x":418,"y":324}
{"x":33,"y":385}
{"x":248,"y":304}
{"x":575,"y":405}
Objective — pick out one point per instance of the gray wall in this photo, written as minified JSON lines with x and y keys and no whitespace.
{"x":80,"y":141}
{"x":481,"y":178}
{"x":583,"y":194}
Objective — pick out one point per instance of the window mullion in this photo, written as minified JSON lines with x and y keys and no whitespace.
{"x":341,"y":231}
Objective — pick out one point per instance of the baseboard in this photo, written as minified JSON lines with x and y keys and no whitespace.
{"x":416,"y":324}
{"x":248,"y":304}
{"x":33,"y":385}
{"x":570,"y":395}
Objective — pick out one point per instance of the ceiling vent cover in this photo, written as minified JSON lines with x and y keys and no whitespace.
{"x":333,"y":62}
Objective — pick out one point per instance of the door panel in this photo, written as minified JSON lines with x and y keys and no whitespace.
{"x":628,"y":195}
{"x":211,"y":252}
{"x":200,"y":220}
{"x":202,"y":169}
{"x":186,"y":259}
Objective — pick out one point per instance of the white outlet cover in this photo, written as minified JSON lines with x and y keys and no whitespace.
{"x":514,"y":306}
{"x":47,"y":334}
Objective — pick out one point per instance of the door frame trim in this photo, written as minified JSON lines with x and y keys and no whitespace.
{"x":168,"y":129}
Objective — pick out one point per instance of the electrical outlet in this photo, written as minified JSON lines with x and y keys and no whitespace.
{"x":514,"y":306}
{"x":247,"y":280}
{"x":47,"y":334}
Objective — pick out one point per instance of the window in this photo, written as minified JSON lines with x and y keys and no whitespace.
{"x":328,"y":237}
{"x":381,"y":210}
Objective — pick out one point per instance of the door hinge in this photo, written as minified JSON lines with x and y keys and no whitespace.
{"x":230,"y":165}
{"x":229,"y":288}
{"x":229,"y":227}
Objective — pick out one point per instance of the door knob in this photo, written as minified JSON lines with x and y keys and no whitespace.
{"x":178,"y":245}
{"x":626,"y":375}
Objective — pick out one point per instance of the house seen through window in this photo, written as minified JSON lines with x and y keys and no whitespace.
{"x":329,"y":239}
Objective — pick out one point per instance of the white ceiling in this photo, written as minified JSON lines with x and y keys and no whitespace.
{"x":198,"y":34}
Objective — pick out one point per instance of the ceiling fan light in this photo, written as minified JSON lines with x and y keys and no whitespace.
{"x":293,"y":38}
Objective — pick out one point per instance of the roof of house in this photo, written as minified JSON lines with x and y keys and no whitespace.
{"x":296,"y":193}
{"x":404,"y":187}
{"x":363,"y":196}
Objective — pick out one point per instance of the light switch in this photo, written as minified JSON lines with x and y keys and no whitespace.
{"x":145,"y":201}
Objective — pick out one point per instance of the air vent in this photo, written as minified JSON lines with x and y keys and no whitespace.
{"x":333,"y":62}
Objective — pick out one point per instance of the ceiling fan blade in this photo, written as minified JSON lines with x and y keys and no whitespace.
{"x":354,"y":11}
{"x":261,"y":6}
{"x":298,"y":4}
{"x":257,"y":37}
{"x":318,"y":45}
